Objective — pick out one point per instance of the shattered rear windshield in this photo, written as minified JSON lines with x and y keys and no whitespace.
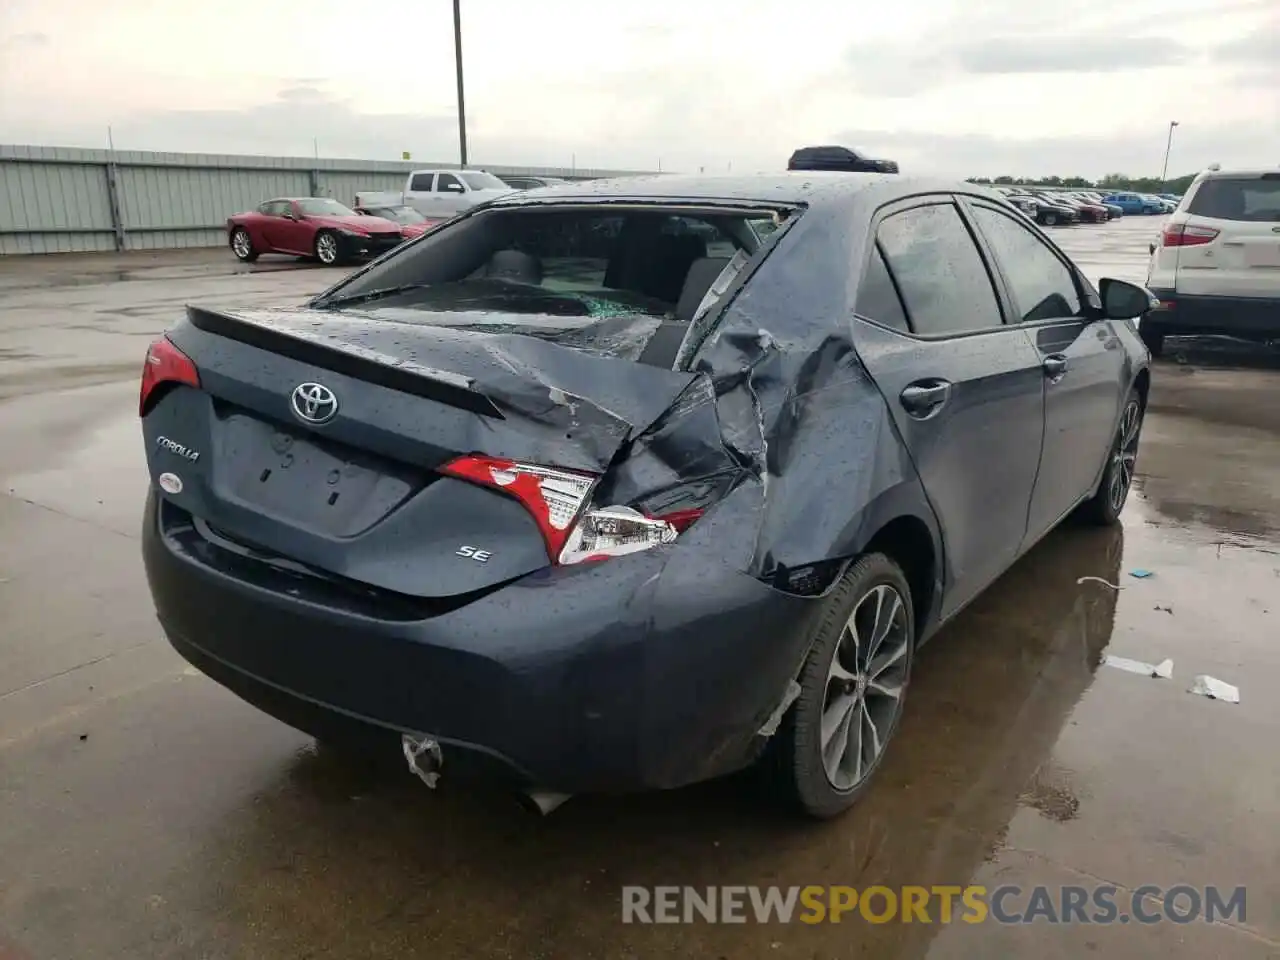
{"x":548,"y":268}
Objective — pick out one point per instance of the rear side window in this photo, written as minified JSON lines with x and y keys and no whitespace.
{"x":421,"y":182}
{"x":1238,"y":198}
{"x":1041,"y":284}
{"x":942,"y":277}
{"x":877,"y":298}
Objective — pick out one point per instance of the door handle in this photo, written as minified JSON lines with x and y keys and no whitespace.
{"x":925,"y":397}
{"x":1055,"y":366}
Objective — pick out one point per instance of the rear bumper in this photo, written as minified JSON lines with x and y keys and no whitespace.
{"x":1247,"y":317}
{"x":643,"y":672}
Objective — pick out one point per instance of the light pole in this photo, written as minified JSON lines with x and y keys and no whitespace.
{"x":1164,"y":171}
{"x":457,"y":59}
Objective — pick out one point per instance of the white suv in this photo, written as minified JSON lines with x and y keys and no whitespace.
{"x":1216,"y":265}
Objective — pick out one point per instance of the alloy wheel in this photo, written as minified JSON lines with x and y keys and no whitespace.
{"x":1125,"y":457}
{"x":865,"y":682}
{"x":240,"y":244}
{"x":326,"y":248}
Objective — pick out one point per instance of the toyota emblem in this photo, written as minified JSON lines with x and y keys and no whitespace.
{"x":314,"y":403}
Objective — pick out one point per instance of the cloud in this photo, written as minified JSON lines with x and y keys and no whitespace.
{"x":907,"y":70}
{"x":1067,"y":53}
{"x":1261,"y":45}
{"x":303,"y":94}
{"x":28,"y":40}
{"x":1194,"y":148}
{"x":287,"y":126}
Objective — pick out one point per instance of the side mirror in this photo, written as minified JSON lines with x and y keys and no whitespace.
{"x":1122,"y":300}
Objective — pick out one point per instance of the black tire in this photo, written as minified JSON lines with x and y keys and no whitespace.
{"x":1107,"y":502}
{"x":1154,"y":341}
{"x":328,"y":248}
{"x":1050,"y":219}
{"x":242,"y":245}
{"x":795,"y":760}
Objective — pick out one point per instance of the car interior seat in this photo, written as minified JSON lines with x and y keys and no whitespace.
{"x":516,"y":266}
{"x":650,"y":262}
{"x":663,"y":345}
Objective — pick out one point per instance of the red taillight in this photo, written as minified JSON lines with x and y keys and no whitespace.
{"x":1185,"y":235}
{"x":557,"y":500}
{"x":164,"y":363}
{"x":682,"y":520}
{"x":553,"y":497}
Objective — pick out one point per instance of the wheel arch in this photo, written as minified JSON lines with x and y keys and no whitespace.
{"x":909,"y":542}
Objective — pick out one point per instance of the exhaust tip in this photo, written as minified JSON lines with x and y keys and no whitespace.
{"x":542,"y":802}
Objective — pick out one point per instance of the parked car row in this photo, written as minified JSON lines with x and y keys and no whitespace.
{"x":1055,"y":207}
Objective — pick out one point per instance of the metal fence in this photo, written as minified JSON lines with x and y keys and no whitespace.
{"x":69,"y":200}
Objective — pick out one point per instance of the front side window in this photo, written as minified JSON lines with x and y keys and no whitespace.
{"x":1042,"y":285}
{"x":943,"y":279}
{"x":448,"y":183}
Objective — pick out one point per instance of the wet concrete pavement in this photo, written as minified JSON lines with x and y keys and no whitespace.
{"x":146,"y":812}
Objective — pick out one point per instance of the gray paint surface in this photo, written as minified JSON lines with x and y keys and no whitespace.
{"x":59,"y":199}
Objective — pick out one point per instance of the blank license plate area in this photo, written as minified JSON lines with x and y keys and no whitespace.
{"x":323,"y":487}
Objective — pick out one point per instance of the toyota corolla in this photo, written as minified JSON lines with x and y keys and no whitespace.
{"x":626,"y":485}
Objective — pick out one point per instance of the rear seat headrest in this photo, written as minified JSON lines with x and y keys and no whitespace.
{"x":514,"y":265}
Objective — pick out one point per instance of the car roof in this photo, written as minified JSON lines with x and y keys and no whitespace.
{"x":1254,"y":174}
{"x":791,"y":188}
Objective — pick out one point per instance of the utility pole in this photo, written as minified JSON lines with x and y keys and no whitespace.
{"x":457,"y":59}
{"x":1164,"y":171}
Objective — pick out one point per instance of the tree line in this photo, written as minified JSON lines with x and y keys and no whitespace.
{"x":1111,"y":182}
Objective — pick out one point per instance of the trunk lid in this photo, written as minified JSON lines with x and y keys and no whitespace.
{"x":359,"y":496}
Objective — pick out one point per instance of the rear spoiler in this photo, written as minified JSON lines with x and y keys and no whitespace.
{"x":348,"y":360}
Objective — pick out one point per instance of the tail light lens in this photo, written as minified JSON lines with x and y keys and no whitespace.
{"x":556,"y":498}
{"x":1185,"y":235}
{"x":164,"y":364}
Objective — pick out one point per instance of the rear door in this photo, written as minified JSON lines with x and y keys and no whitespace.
{"x":420,"y":193}
{"x":1085,"y":368}
{"x":965,"y":390}
{"x":1243,"y":259}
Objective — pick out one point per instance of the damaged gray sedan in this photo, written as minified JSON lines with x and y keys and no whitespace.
{"x":631,"y":484}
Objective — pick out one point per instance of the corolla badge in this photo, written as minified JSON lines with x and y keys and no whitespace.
{"x":314,"y":403}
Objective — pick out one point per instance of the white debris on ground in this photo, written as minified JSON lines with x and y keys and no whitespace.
{"x":1214,"y":689}
{"x":1163,"y":670}
{"x":1108,"y":583}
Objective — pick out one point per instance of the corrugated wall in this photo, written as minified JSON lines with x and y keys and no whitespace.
{"x":66,"y":200}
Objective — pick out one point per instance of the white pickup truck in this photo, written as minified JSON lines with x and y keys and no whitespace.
{"x":440,"y":194}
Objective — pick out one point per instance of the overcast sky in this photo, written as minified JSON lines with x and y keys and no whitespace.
{"x":1026,"y":87}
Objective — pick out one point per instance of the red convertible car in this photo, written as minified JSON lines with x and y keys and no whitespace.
{"x":310,"y":227}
